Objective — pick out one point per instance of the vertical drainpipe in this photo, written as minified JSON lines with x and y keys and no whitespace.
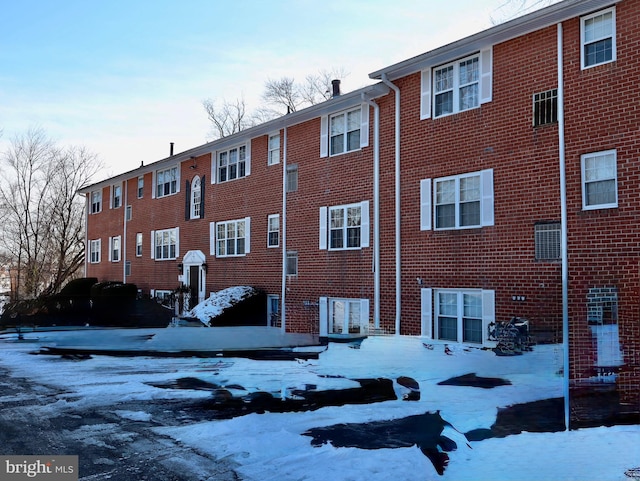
{"x":283,"y":293}
{"x":87,"y":247}
{"x":396,"y":89}
{"x":123,"y":242}
{"x":376,"y":210}
{"x":563,"y":231}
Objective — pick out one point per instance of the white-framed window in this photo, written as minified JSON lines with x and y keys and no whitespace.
{"x":116,"y":196}
{"x":344,"y":227}
{"x":273,"y":230}
{"x":128,"y":213}
{"x":457,"y":86}
{"x":165,"y":244}
{"x":274,"y":149}
{"x":348,"y":316}
{"x":458,"y":202}
{"x":344,"y":131}
{"x":232,"y":164}
{"x":459,"y":315}
{"x":599,"y":180}
{"x":96,"y":201}
{"x":196,"y":198}
{"x":115,"y":248}
{"x":140,"y":187}
{"x":273,"y":310}
{"x":163,"y":295}
{"x":292,"y":263}
{"x":167,"y":182}
{"x":292,"y":178}
{"x":231,"y":238}
{"x":95,"y":247}
{"x":598,"y":38}
{"x":139,"y":244}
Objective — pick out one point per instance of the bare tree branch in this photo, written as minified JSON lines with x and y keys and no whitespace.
{"x":228,"y":118}
{"x":511,"y":9}
{"x":281,"y":96}
{"x":282,"y":93}
{"x":41,"y":214}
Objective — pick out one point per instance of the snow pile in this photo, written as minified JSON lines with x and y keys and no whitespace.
{"x":273,"y":446}
{"x":219,"y":301}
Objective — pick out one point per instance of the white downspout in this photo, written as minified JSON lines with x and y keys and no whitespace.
{"x":376,"y":210}
{"x":123,"y":242}
{"x":563,"y":232}
{"x":396,"y":89}
{"x":87,"y":247}
{"x":283,"y":317}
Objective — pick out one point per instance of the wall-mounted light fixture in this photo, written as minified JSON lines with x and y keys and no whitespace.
{"x":419,"y":280}
{"x":193,"y":165}
{"x":180,"y":266}
{"x":204,"y":267}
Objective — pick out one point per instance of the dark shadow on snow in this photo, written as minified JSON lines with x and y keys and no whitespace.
{"x":546,"y":416}
{"x":423,"y":430}
{"x":426,"y":430}
{"x":472,"y":380}
{"x":227,"y":405}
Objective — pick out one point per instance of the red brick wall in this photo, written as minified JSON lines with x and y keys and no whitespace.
{"x":328,"y":181}
{"x":231,"y":200}
{"x":602,"y":114}
{"x":499,"y":136}
{"x":324,"y":181}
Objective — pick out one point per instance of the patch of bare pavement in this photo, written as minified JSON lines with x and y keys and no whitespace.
{"x":109,"y":447}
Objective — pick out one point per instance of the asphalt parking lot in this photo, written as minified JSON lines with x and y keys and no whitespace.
{"x":122,"y":450}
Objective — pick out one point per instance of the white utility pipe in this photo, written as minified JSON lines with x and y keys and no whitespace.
{"x":396,"y":89}
{"x":283,"y":317}
{"x":563,"y":232}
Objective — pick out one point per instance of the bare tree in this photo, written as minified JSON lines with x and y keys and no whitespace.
{"x":282,"y":93}
{"x":42,"y":215}
{"x":280,"y":96}
{"x":511,"y":9}
{"x":75,"y":168}
{"x":317,"y":87}
{"x":288,"y":96}
{"x":228,"y":118}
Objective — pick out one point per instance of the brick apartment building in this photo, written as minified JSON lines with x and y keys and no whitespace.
{"x":493,"y":177}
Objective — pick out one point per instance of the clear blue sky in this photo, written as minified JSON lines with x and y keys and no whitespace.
{"x":126,"y":78}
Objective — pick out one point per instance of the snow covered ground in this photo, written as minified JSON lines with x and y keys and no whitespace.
{"x":272,"y":446}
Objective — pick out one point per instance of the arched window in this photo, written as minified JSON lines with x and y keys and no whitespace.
{"x":196,"y":198}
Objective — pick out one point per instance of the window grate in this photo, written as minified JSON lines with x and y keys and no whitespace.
{"x":292,"y":263}
{"x":292,"y":178}
{"x":545,"y":108}
{"x":547,"y":241}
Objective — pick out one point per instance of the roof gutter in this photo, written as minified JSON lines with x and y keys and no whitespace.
{"x":543,"y":18}
{"x":341,"y":102}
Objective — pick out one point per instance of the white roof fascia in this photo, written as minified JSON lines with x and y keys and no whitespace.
{"x":532,"y":22}
{"x":332,"y":105}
